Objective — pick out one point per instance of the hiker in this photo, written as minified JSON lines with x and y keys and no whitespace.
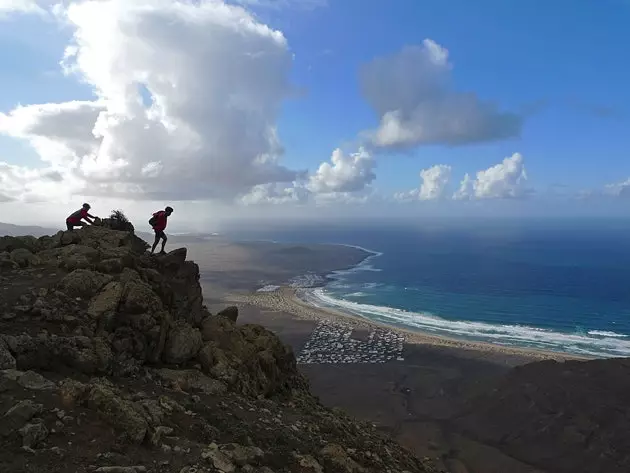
{"x":158,"y":222}
{"x":74,"y":220}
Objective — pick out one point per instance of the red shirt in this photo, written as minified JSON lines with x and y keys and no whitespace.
{"x":76,"y":217}
{"x":160,"y":223}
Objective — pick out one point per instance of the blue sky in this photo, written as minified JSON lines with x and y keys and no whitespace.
{"x":559,"y":65}
{"x":563,"y":59}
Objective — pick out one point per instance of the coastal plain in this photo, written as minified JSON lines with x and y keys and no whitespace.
{"x":416,"y":397}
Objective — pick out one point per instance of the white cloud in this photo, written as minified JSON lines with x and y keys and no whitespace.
{"x":274,"y":193}
{"x":19,"y":6}
{"x":208,"y":130}
{"x":33,"y":185}
{"x":412,"y":94}
{"x":466,"y":189}
{"x":502,"y":181}
{"x":620,"y":189}
{"x":345,"y":198}
{"x":345,"y":173}
{"x":434,"y":185}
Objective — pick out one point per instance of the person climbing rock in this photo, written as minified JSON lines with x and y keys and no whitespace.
{"x":75,"y":219}
{"x":158,"y":222}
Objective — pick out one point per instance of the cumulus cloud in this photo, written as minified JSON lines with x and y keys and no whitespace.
{"x":345,"y":173}
{"x":434,"y":186}
{"x":505,"y":180}
{"x":203,"y":126}
{"x":413,"y":96}
{"x":620,"y":189}
{"x":31,"y":185}
{"x":19,"y":6}
{"x":274,"y":193}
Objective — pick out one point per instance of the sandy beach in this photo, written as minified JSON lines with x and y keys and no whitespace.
{"x":411,"y":385}
{"x":286,"y":300}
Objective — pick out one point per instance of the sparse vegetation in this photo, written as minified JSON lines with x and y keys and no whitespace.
{"x":119,"y":221}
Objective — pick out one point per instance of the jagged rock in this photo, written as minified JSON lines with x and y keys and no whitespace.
{"x":7,"y":361}
{"x":18,"y":415}
{"x":72,"y":391}
{"x":125,"y":416}
{"x":307,"y":464}
{"x":87,"y":355}
{"x":241,"y":455}
{"x":160,"y":432}
{"x":214,"y":327}
{"x":335,"y":457}
{"x":10,"y":243}
{"x":218,"y":459}
{"x":24,"y":257}
{"x":120,"y":312}
{"x":230,"y":313}
{"x":196,"y":469}
{"x":33,"y":434}
{"x":104,"y":306}
{"x":182,"y":344}
{"x":29,"y":380}
{"x":121,"y":469}
{"x":191,"y":380}
{"x":83,"y":283}
{"x":139,"y":298}
{"x":111,"y":266}
{"x":153,"y":411}
{"x":6,"y":262}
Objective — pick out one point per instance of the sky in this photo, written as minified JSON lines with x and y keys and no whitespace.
{"x":301,"y":109}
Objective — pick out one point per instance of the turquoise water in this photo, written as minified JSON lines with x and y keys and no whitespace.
{"x":562,"y":288}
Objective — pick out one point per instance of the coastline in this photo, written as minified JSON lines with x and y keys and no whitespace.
{"x":286,"y":300}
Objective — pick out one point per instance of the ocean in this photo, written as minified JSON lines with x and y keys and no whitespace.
{"x":560,"y":286}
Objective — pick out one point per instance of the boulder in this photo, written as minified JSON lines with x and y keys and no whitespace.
{"x":307,"y":464}
{"x":6,"y":262}
{"x":11,"y":243}
{"x":29,"y":380}
{"x":231,"y":313}
{"x":125,"y":416}
{"x":18,"y":415}
{"x":191,"y":380}
{"x":33,"y":434}
{"x":140,"y":298}
{"x":83,"y":283}
{"x":218,"y":459}
{"x":182,"y":344}
{"x":85,"y":354}
{"x":104,"y":306}
{"x":241,"y":455}
{"x":24,"y":257}
{"x":336,"y":458}
{"x":7,"y":361}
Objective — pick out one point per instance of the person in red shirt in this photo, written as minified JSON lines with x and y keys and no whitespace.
{"x":159,"y":225}
{"x":74,"y":220}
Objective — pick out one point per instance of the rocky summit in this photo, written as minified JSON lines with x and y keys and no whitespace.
{"x":110,"y":363}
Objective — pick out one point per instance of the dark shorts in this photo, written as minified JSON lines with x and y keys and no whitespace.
{"x":159,"y":234}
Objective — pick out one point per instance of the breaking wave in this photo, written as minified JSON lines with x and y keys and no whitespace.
{"x":594,"y":343}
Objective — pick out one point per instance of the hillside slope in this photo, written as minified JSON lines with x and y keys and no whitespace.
{"x":109,"y":362}
{"x":571,"y":417}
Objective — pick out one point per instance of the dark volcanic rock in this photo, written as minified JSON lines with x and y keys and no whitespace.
{"x":90,"y":319}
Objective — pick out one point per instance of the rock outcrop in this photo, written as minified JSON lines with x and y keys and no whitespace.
{"x":110,"y":362}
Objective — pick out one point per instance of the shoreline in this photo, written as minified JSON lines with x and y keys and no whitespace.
{"x":286,"y":300}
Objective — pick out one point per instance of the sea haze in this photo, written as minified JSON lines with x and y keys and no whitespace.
{"x":561,"y":286}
